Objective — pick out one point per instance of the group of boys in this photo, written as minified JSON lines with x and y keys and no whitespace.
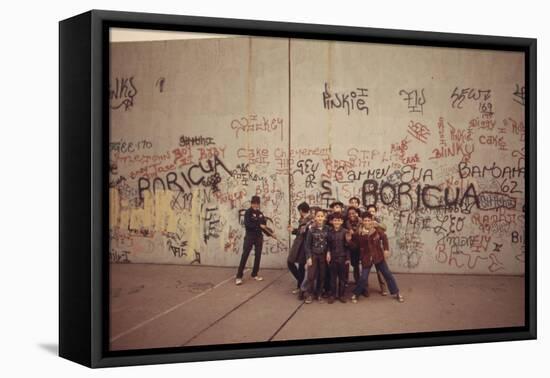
{"x":326,"y":244}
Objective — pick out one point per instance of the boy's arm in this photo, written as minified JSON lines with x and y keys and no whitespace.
{"x":353,"y":243}
{"x":307,"y":245}
{"x":382,"y":226}
{"x":329,"y":246}
{"x":385,"y":243}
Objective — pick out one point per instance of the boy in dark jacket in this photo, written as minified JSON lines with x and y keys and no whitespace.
{"x":316,"y":253}
{"x":336,"y":208}
{"x":353,"y":224}
{"x":254,"y":222}
{"x":297,"y":254}
{"x":374,"y":248}
{"x":337,"y":258}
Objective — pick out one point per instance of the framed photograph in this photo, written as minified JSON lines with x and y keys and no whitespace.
{"x":234,"y":188}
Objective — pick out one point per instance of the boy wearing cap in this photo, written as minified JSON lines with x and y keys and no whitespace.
{"x":254,"y":222}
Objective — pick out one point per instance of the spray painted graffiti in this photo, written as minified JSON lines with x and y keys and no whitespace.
{"x":440,"y":154}
{"x":122,"y":93}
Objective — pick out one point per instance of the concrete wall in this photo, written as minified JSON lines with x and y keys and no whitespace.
{"x":433,"y":136}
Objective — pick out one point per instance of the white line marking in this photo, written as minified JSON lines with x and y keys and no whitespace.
{"x":145,"y":322}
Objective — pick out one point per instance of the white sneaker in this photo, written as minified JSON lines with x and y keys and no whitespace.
{"x":238,"y":281}
{"x":258,"y":278}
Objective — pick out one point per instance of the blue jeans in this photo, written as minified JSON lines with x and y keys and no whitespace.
{"x":383,"y":268}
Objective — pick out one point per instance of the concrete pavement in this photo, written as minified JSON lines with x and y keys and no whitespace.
{"x":156,"y":306}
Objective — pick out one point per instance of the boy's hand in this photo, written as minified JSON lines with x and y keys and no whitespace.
{"x":328,"y":257}
{"x":289,"y":228}
{"x":348,"y":235}
{"x":347,"y":262}
{"x":387,"y":254}
{"x":309,"y":262}
{"x":263,"y":226}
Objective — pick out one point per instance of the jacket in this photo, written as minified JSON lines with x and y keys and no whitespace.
{"x":316,"y":240}
{"x":297,"y":252}
{"x":337,"y":245}
{"x":371,"y":246}
{"x":252,"y":221}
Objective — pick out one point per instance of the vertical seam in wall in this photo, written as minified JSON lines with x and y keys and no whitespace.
{"x":289,"y":143}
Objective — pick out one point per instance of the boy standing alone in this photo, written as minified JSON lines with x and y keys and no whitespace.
{"x":254,"y":222}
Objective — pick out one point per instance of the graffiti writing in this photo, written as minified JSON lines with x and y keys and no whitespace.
{"x":122,"y":93}
{"x":351,"y":101}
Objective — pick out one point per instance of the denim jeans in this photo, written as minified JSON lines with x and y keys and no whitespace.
{"x":298,"y":272}
{"x":305,"y":283}
{"x":316,"y":272}
{"x":337,"y":277}
{"x":383,"y":268}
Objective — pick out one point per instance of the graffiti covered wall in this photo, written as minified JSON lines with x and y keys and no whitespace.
{"x":434,"y":137}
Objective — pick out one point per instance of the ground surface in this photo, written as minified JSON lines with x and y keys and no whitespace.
{"x":167,"y":305}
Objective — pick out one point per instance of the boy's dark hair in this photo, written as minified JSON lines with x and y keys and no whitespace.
{"x":366,"y":214}
{"x":336,"y":203}
{"x":373,"y":206}
{"x":255,"y":199}
{"x":356,"y":199}
{"x":303,"y":207}
{"x":354,"y":209}
{"x":318,"y":209}
{"x":337,"y":216}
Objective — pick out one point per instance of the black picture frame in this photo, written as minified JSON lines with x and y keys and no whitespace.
{"x":83,"y":181}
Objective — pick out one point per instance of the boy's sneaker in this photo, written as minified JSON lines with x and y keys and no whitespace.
{"x":342,"y":299}
{"x":308,"y":299}
{"x":295,"y":291}
{"x":238,"y":281}
{"x":354,"y":298}
{"x":366,"y":294}
{"x":399,"y":298}
{"x":320,"y":299}
{"x":331,"y":300}
{"x":384,"y":292}
{"x":258,"y":278}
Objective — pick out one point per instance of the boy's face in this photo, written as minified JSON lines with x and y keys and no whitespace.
{"x":337,"y":209}
{"x":320,"y":218}
{"x":337,"y":223}
{"x":255,"y":206}
{"x":372,"y":210}
{"x":352,"y":214}
{"x":304,"y":214}
{"x":368,"y":223}
{"x":354,"y":203}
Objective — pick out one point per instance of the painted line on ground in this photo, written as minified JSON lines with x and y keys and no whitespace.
{"x":173,"y":308}
{"x":286,"y":321}
{"x":233,"y":309}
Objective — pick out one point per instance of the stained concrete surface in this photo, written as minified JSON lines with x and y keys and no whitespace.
{"x":154,"y":306}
